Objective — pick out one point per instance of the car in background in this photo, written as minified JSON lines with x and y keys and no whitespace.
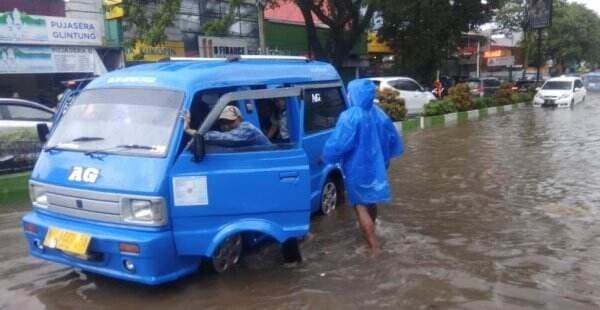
{"x":19,"y":113}
{"x":561,"y":92}
{"x":415,"y":96}
{"x":483,"y":87}
{"x":592,"y":81}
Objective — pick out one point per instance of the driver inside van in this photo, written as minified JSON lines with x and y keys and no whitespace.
{"x":234,"y":130}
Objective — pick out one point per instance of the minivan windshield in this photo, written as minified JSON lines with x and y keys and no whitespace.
{"x":556,"y":85}
{"x":129,"y":121}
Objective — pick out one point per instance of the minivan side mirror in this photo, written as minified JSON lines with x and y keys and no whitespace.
{"x":198,"y":147}
{"x":42,"y":132}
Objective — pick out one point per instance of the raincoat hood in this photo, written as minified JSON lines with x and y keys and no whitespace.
{"x":362,"y":93}
{"x":364,"y":141}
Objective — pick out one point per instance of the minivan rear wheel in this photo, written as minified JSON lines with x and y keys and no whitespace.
{"x":227,"y":254}
{"x":329,"y":196}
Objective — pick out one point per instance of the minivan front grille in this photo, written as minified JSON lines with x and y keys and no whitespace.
{"x":93,"y":205}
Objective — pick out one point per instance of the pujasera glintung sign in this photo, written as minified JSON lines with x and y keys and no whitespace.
{"x":17,"y":27}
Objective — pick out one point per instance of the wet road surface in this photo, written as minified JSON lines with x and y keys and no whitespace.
{"x":497,"y":214}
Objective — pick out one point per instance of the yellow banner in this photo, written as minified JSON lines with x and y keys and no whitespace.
{"x":155,"y":53}
{"x":113,"y":9}
{"x":374,"y":46}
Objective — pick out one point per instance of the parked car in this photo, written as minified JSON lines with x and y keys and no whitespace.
{"x":19,"y":113}
{"x":560,"y":92}
{"x":415,"y":96}
{"x":483,"y":87}
{"x":592,"y":81}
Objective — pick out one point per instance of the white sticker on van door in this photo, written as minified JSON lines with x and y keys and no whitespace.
{"x":190,"y":191}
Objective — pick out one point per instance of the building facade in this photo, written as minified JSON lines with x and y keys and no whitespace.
{"x":45,"y":42}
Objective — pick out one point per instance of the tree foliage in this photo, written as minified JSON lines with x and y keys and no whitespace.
{"x":574,"y":36}
{"x":147,"y":20}
{"x":347,"y":21}
{"x":424,"y":34}
{"x":221,"y":26}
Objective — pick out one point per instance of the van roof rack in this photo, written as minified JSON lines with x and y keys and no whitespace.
{"x":240,"y":57}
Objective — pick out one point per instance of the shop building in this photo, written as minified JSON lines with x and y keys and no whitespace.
{"x":42,"y":45}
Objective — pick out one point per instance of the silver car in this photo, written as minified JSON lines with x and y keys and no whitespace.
{"x":19,"y":113}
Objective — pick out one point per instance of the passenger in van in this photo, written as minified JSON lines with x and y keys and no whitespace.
{"x":364,"y":141}
{"x":279,"y":123}
{"x":235,"y":132}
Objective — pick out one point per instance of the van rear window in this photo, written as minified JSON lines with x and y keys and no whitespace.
{"x":322,"y":109}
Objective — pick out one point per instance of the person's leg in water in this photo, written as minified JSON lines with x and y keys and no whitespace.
{"x":373,"y":211}
{"x":367,"y":226}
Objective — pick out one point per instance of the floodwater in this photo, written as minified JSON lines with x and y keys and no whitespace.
{"x":497,"y":214}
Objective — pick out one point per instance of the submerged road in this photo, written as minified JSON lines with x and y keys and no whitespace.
{"x":495,"y":214}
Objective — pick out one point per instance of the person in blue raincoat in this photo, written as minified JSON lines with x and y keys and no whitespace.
{"x":364,"y":141}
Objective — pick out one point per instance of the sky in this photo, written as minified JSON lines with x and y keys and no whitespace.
{"x":592,"y":4}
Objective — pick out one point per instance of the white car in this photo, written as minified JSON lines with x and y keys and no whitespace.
{"x":414,"y":95}
{"x":560,"y":92}
{"x":19,"y":113}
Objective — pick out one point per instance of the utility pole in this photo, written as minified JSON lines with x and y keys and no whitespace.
{"x":539,"y":56}
{"x":261,"y":26}
{"x":478,"y":57}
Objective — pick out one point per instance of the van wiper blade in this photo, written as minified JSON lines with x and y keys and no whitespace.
{"x":135,"y":146}
{"x":86,"y":139}
{"x":121,"y":146}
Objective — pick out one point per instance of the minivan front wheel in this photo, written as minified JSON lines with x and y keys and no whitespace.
{"x":329,"y":197}
{"x":227,"y":254}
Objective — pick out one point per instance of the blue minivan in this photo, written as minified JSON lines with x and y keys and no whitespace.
{"x":120,"y":189}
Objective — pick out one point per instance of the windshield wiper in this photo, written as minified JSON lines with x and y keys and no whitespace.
{"x":135,"y":146}
{"x":78,"y":139}
{"x":86,"y":139}
{"x":121,"y":146}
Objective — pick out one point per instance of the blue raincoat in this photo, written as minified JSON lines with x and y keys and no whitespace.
{"x":364,"y":141}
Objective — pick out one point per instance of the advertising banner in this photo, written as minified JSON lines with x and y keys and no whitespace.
{"x":222,"y":47}
{"x":539,"y":13}
{"x":41,"y":59}
{"x":20,"y":28}
{"x":506,"y":61}
{"x":155,"y":53}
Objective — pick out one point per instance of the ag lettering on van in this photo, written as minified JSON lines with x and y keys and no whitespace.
{"x":81,"y":174}
{"x":190,"y":191}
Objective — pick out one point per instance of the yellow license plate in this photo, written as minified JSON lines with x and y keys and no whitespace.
{"x":67,"y":241}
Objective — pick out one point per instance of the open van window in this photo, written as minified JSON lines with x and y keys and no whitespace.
{"x":125,"y":121}
{"x":322,"y":109}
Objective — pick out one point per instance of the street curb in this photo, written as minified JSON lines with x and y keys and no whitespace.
{"x":454,"y":118}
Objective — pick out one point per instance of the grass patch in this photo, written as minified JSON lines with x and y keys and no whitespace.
{"x":435,"y":121}
{"x":462,"y":117}
{"x":14,"y":189}
{"x":410,"y":124}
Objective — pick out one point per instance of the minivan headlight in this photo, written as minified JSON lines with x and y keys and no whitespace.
{"x":146,"y":212}
{"x":38,"y":196}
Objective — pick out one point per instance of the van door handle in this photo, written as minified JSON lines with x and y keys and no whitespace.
{"x":289,"y":176}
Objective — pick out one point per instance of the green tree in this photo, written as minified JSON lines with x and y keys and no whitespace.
{"x":347,"y":21}
{"x":425,"y":33}
{"x":221,"y":26}
{"x":147,"y":20}
{"x":574,"y":37}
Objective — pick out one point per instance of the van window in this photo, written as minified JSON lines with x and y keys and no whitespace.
{"x":322,"y":108}
{"x":272,"y":132}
